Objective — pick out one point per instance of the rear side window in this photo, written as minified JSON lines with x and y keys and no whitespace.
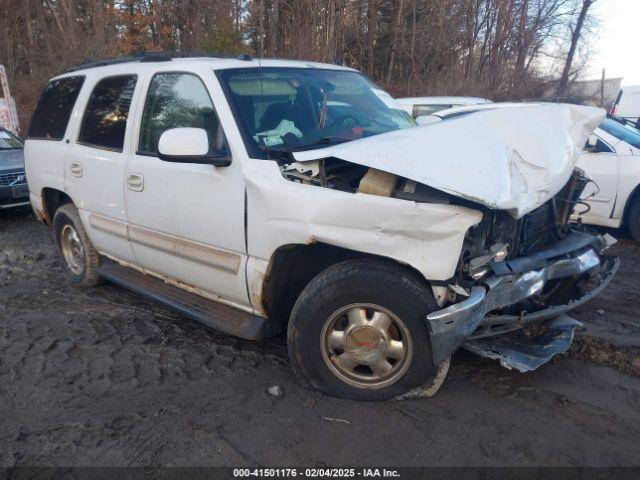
{"x":178,"y":100}
{"x":51,"y":116}
{"x":105,"y":119}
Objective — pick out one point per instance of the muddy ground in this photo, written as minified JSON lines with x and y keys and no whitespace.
{"x":101,"y":377}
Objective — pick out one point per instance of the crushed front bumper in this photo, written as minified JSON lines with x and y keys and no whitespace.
{"x":477,"y":316}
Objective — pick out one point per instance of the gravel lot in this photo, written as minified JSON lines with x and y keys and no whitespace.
{"x":100,"y":377}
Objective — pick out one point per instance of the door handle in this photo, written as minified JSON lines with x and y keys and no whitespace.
{"x":135,"y":182}
{"x":76,"y":169}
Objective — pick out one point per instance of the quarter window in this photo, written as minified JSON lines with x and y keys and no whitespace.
{"x":177,"y":100}
{"x":105,"y":119}
{"x":51,"y":115}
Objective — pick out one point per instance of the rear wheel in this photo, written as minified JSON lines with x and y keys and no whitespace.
{"x":358,"y":330}
{"x":80,"y":258}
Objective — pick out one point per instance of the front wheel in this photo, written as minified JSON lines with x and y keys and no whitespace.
{"x":358,"y":330}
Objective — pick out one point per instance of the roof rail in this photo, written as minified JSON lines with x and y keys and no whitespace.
{"x":154,"y":57}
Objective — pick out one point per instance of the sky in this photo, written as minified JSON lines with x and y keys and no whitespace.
{"x":616,"y":43}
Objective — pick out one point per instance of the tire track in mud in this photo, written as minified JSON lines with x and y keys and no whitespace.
{"x":102,"y":377}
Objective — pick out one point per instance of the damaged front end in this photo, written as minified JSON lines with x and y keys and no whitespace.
{"x":514,"y":303}
{"x":522,"y":264}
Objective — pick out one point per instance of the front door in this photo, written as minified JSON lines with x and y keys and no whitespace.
{"x":186,"y":220}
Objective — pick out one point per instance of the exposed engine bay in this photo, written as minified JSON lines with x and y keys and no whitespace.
{"x":499,"y":236}
{"x":349,"y":177}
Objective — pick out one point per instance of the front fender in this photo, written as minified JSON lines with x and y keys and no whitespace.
{"x":429,"y":237}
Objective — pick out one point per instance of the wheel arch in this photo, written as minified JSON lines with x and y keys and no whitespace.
{"x":52,"y":200}
{"x":293,"y":266}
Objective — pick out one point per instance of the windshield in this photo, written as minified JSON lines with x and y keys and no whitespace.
{"x":8,"y":141}
{"x":625,"y":133}
{"x":292,"y":109}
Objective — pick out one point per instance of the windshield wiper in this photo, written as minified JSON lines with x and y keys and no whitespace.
{"x":276,"y":152}
{"x":329,"y":140}
{"x":287,"y":154}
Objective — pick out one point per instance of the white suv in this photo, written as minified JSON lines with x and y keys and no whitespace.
{"x":263,"y":196}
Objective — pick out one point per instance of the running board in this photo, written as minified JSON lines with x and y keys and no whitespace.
{"x":208,"y":312}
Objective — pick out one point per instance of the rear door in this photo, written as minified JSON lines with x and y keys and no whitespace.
{"x":186,"y":220}
{"x":48,"y":136}
{"x":95,"y":163}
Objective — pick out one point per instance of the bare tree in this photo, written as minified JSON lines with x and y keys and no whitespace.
{"x":576,"y":32}
{"x":470,"y":47}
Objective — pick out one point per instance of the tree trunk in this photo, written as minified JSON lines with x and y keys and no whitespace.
{"x":394,"y":43}
{"x":372,"y":22}
{"x":274,"y":20}
{"x":575,"y":37}
{"x":522,"y":42}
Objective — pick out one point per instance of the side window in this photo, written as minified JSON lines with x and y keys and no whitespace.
{"x":602,"y":147}
{"x":51,"y":115}
{"x":105,"y":119}
{"x":177,"y":100}
{"x":599,"y":147}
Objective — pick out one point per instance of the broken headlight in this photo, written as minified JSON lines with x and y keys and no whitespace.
{"x":480,"y":266}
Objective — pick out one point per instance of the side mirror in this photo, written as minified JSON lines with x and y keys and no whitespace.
{"x":592,"y":142}
{"x":190,"y":145}
{"x":427,"y":119}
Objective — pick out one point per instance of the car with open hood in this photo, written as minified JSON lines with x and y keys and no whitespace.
{"x":261,"y":197}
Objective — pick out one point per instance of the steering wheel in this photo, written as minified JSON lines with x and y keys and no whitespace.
{"x":341,"y":120}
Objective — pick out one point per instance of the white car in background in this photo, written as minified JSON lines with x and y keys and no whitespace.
{"x":611,"y":159}
{"x":417,"y":106}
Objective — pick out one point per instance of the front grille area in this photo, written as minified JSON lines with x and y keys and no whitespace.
{"x":550,"y":222}
{"x":538,"y":229}
{"x":543,"y":226}
{"x":12,"y":178}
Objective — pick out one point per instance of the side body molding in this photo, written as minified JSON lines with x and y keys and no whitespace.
{"x":178,"y":246}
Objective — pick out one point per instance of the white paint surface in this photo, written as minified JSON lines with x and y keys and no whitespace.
{"x":507,"y":159}
{"x":184,"y":142}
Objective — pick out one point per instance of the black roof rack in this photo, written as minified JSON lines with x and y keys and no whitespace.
{"x":154,"y":57}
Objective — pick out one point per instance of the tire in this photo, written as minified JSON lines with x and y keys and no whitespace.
{"x":633,"y":219}
{"x":330,"y":330}
{"x":79,"y":257}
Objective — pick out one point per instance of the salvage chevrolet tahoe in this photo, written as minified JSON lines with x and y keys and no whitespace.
{"x":268,"y":196}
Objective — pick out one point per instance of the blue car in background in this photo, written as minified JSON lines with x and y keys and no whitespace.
{"x":13,"y":181}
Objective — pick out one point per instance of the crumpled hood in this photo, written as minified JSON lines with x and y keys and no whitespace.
{"x":511,"y":159}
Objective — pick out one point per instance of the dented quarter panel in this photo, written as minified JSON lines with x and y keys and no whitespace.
{"x":507,"y":159}
{"x":428,"y":237}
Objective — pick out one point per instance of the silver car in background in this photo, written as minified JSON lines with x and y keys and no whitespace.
{"x":13,"y":181}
